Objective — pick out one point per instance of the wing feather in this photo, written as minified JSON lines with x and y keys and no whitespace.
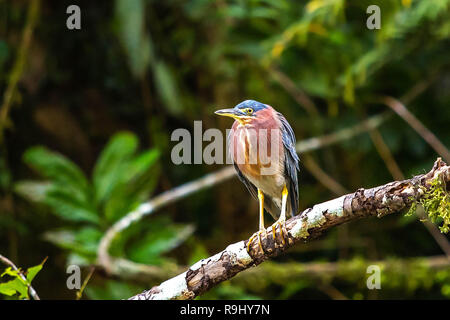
{"x":250,"y":186}
{"x":291,"y":165}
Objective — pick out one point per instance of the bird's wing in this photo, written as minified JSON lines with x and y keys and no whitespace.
{"x":291,"y":162}
{"x":250,"y":186}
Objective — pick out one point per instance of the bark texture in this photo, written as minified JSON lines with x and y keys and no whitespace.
{"x":309,"y":224}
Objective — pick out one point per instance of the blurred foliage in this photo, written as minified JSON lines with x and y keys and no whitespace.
{"x":121,"y":180}
{"x":149,"y":67}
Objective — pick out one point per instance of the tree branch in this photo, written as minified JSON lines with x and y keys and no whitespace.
{"x":379,"y":201}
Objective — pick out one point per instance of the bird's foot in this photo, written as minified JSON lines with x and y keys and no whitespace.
{"x":282,"y":224}
{"x":256,"y":234}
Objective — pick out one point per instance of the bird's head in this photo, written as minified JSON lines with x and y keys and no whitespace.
{"x":245,"y":112}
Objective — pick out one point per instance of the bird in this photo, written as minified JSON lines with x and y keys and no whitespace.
{"x":272,"y":181}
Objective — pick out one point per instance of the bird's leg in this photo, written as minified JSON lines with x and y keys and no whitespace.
{"x":282,"y":219}
{"x":261,"y":210}
{"x":261,"y":222}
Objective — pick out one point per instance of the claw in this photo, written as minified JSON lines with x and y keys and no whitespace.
{"x":282,"y":224}
{"x":256,"y":234}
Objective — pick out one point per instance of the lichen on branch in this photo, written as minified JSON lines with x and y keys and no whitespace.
{"x":435,"y":202}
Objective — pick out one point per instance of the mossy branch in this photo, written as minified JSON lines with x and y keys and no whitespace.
{"x":435,"y":202}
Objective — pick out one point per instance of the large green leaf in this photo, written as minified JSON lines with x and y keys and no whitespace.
{"x":8,"y":288}
{"x":66,"y":202}
{"x":33,"y":271}
{"x":66,"y":205}
{"x":33,"y":190}
{"x":136,"y":184}
{"x":57,"y":168}
{"x":161,"y":236}
{"x":83,"y":241}
{"x":112,"y":162}
{"x":14,"y":286}
{"x":140,"y":164}
{"x":129,"y":197}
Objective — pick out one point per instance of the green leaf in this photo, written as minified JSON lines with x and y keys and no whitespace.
{"x":81,"y":260}
{"x":162,"y":236}
{"x":15,"y":286}
{"x":7,"y":288}
{"x":112,"y":162}
{"x":64,"y":204}
{"x":140,"y":164}
{"x":83,"y":241}
{"x":135,"y":186}
{"x":10,"y":272}
{"x":33,"y":271}
{"x":130,"y":19}
{"x":166,"y":86}
{"x":56,"y":167}
{"x":89,"y":238}
{"x":32,"y":190}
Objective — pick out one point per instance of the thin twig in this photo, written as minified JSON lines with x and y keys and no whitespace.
{"x":322,"y":176}
{"x":343,"y":134}
{"x":386,"y":154}
{"x":419,"y":88}
{"x":85,"y":282}
{"x":298,"y":94}
{"x":415,"y":123}
{"x":31,"y":290}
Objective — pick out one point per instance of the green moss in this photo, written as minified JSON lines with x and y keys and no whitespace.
{"x":436,"y":203}
{"x":412,"y":209}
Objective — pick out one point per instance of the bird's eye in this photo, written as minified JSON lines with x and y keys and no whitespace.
{"x":248,"y":111}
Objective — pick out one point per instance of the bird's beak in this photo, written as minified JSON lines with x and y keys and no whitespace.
{"x":232,"y":113}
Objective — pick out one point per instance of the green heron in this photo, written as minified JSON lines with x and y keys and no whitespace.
{"x":258,"y":125}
